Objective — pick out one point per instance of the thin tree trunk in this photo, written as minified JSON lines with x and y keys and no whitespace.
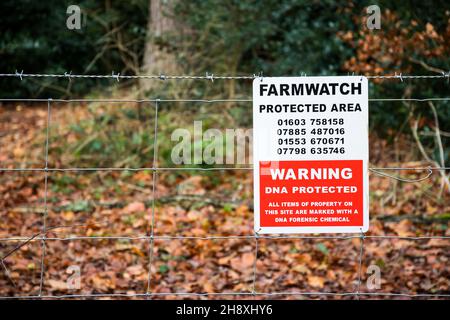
{"x":157,"y":59}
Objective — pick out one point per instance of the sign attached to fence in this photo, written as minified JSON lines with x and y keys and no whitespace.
{"x":310,"y":154}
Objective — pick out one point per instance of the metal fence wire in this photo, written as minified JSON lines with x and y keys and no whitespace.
{"x":151,"y":236}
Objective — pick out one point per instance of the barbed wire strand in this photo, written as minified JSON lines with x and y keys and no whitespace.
{"x":207,"y":76}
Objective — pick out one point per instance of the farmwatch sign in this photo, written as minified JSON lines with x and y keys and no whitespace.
{"x":310,"y":154}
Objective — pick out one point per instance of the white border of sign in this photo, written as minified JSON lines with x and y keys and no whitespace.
{"x":256,"y":168}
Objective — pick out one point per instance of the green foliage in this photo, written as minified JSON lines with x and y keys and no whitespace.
{"x":279,"y":37}
{"x":34,"y":38}
{"x":322,"y":248}
{"x":107,"y":137}
{"x":78,"y":206}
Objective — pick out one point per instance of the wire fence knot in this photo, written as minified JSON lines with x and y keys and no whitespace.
{"x":399,"y":76}
{"x":19,"y":74}
{"x":210,"y":76}
{"x":68,"y":75}
{"x":116,"y":76}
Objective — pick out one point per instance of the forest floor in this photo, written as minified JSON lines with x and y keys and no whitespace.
{"x":118,"y":205}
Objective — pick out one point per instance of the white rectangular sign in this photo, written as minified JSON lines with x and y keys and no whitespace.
{"x":310,"y":154}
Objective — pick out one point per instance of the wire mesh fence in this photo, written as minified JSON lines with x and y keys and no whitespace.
{"x":151,"y":238}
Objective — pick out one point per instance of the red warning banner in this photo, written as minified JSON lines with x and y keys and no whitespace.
{"x":313,"y":193}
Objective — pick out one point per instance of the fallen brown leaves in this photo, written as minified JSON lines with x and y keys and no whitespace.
{"x":105,"y":204}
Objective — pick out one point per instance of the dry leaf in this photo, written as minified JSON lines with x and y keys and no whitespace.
{"x":135,"y":270}
{"x":208,"y":287}
{"x":301,"y":269}
{"x":317,"y":282}
{"x":403,"y":228}
{"x":57,"y":284}
{"x":68,"y":215}
{"x":243,"y":262}
{"x":134,"y":207}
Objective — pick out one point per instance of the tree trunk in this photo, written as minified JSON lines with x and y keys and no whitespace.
{"x":157,"y":58}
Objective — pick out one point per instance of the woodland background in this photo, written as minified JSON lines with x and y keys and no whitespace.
{"x":243,"y":37}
